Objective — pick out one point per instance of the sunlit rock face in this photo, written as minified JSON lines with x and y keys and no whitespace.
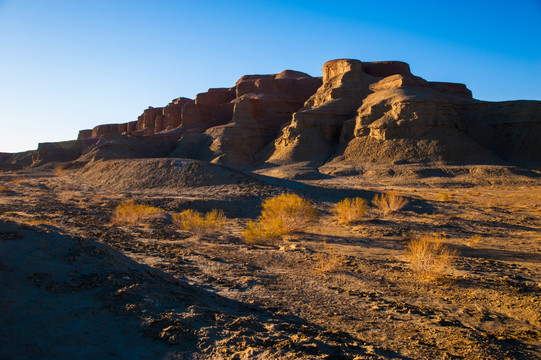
{"x":380,"y":112}
{"x":356,"y":113}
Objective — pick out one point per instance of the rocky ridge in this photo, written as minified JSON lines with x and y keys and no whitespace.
{"x":357,"y":113}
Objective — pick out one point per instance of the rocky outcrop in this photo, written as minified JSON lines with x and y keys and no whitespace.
{"x":108,"y":129}
{"x":263,"y":104}
{"x":216,"y":96}
{"x":315,"y":129}
{"x":60,"y":151}
{"x":15,"y":161}
{"x":146,"y":121}
{"x":381,"y":113}
{"x":84,"y":134}
{"x":357,"y":113}
{"x":204,"y":116}
{"x":510,"y":129}
{"x":171,"y":116}
{"x":128,"y":147}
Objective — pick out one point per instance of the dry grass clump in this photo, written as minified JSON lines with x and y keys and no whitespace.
{"x":194,"y":222}
{"x":389,"y":202}
{"x":257,"y":234}
{"x":328,"y":261}
{"x":288,"y":212}
{"x":349,"y":210}
{"x":130,"y":213}
{"x":284,"y":214}
{"x":429,"y":257}
{"x":442,"y":196}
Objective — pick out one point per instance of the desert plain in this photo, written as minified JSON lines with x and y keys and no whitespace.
{"x":76,"y":283}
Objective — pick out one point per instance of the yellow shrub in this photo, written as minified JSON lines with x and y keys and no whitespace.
{"x":349,"y":211}
{"x":256,"y":234}
{"x":287,"y":214}
{"x":389,"y":202}
{"x":429,"y":257}
{"x":130,"y":213}
{"x":194,"y":222}
{"x":443,"y":196}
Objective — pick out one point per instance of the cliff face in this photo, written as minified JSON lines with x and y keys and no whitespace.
{"x":356,"y":117}
{"x":358,"y":112}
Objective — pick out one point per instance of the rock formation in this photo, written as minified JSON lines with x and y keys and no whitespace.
{"x":357,"y":113}
{"x":262,"y":105}
{"x":381,"y":113}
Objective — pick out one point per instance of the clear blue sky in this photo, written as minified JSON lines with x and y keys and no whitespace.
{"x":68,"y":65}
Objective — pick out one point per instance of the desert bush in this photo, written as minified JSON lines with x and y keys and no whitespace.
{"x":257,"y":234}
{"x":287,"y":214}
{"x":429,"y":257}
{"x":194,"y":222}
{"x":328,"y":261}
{"x":349,"y":210}
{"x":282,"y":215}
{"x":442,"y":196}
{"x":130,"y":213}
{"x":389,"y":202}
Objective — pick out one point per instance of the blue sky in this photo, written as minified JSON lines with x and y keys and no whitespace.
{"x":68,"y":65}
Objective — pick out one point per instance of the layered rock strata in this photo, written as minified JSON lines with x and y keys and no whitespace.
{"x":365,"y":113}
{"x":357,"y":113}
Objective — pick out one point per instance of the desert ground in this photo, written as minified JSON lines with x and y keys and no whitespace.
{"x":75,"y":285}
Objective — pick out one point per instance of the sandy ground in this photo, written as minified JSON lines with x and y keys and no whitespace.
{"x":74,"y":286}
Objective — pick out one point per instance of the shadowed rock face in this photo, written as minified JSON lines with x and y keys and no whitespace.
{"x":358,"y":112}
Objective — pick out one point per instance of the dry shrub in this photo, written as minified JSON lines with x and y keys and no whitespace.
{"x":443,"y":197}
{"x":288,"y":214}
{"x":349,"y":210}
{"x":257,"y":234}
{"x":194,"y":222}
{"x":282,"y":215}
{"x":430,"y":259}
{"x":130,"y":213}
{"x":389,"y":202}
{"x":328,"y":261}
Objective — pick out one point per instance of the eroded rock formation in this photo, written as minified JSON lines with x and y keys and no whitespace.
{"x":366,"y":113}
{"x":357,"y":113}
